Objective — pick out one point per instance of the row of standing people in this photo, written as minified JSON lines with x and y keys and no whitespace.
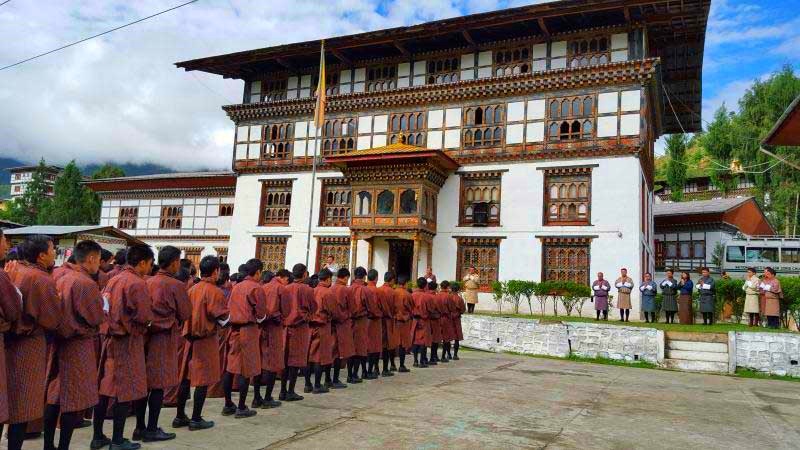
{"x":762,"y":296}
{"x":79,"y":339}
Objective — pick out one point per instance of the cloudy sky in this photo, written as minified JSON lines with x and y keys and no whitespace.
{"x":119,"y":98}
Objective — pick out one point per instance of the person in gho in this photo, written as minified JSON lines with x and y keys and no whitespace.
{"x":707,"y":289}
{"x":624,"y":285}
{"x":669,"y":296}
{"x":751,"y":301}
{"x":648,"y":290}
{"x":600,"y":289}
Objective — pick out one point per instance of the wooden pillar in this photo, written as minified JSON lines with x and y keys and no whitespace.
{"x":429,"y":243}
{"x":370,"y":250}
{"x":353,"y":251}
{"x":415,"y":258}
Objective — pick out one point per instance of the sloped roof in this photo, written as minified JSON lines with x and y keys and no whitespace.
{"x":698,"y":206}
{"x":787,"y":129}
{"x":392,"y":152}
{"x":58,"y":231}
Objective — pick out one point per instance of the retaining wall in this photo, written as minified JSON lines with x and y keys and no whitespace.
{"x":773,"y":353}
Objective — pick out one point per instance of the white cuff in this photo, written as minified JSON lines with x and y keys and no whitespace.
{"x":106,"y":304}
{"x":262,"y":319}
{"x":222,"y":323}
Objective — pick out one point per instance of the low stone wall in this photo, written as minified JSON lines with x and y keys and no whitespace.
{"x":501,"y":334}
{"x":771,"y":353}
{"x":616,"y":342}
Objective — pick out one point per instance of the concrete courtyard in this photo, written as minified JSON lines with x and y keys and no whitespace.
{"x":506,"y":401}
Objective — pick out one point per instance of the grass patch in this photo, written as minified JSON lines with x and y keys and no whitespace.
{"x":716,"y":328}
{"x":749,"y":373}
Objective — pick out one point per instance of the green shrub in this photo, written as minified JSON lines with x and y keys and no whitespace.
{"x":498,"y":294}
{"x":730,"y":291}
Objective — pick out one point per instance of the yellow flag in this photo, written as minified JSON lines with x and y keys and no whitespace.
{"x":319,"y":110}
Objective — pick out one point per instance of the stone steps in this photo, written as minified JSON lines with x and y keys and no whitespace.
{"x":698,"y":356}
{"x":696,"y":366}
{"x":719,"y":338}
{"x":696,"y":352}
{"x":691,"y":346}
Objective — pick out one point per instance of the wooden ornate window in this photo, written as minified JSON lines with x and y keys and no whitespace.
{"x":272,"y":90}
{"x":222,"y":254}
{"x":381,"y":78}
{"x":271,"y":250}
{"x":571,"y":118}
{"x":566,"y":259}
{"x":193,"y":255}
{"x":331,"y":83}
{"x":385,"y":202}
{"x":480,"y":199}
{"x":278,"y":141}
{"x":336,"y":203}
{"x":484,"y":254}
{"x":589,"y":52}
{"x":408,"y":202}
{"x":567,"y":196}
{"x":408,"y":128}
{"x":127,"y":218}
{"x":445,"y":70}
{"x":336,"y":246}
{"x":363,"y":203}
{"x":171,"y":217}
{"x":512,"y":61}
{"x":276,"y":202}
{"x":338,"y":136}
{"x":484,"y":126}
{"x":226,"y":209}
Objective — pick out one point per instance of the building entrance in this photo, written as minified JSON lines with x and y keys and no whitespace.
{"x":401,"y":253}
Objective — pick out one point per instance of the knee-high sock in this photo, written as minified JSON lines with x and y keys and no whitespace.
{"x":183,"y":397}
{"x":99,"y":416}
{"x":435,"y":351}
{"x":327,"y":370}
{"x":627,"y":314}
{"x":50,"y":421}
{"x":385,"y":360}
{"x":337,"y":367}
{"x":227,"y":388}
{"x":257,"y":387}
{"x":292,"y":378}
{"x":270,"y":383}
{"x":285,"y":379}
{"x":120,"y":415}
{"x":68,"y":422}
{"x":363,"y":365}
{"x":455,"y":348}
{"x":140,"y":409}
{"x":402,"y":356}
{"x":199,"y":399}
{"x":415,"y":349}
{"x":244,"y":385}
{"x":392,"y":356}
{"x":154,"y":403}
{"x":307,"y":373}
{"x":16,"y":435}
{"x":423,"y":354}
{"x":317,"y":375}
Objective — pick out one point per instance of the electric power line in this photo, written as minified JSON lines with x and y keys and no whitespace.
{"x":94,"y":36}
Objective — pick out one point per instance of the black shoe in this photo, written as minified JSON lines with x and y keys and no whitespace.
{"x":244,"y":413}
{"x":336,"y":385}
{"x":416,"y":364}
{"x":371,"y":376}
{"x":85,"y":423}
{"x":433,"y":363}
{"x":393,"y":368}
{"x":404,"y":369}
{"x":308,"y":389}
{"x":126,"y":445}
{"x":228,"y":410}
{"x":256,"y":403}
{"x":270,"y":403}
{"x":349,"y":380}
{"x":293,"y":397}
{"x":320,"y":390}
{"x":356,"y":380}
{"x":387,"y":373}
{"x":200,"y":424}
{"x":138,"y":434}
{"x":282,"y":396}
{"x":456,"y":358}
{"x":180,"y":422}
{"x":158,"y":435}
{"x":97,"y":444}
{"x":444,"y":360}
{"x":423,"y":366}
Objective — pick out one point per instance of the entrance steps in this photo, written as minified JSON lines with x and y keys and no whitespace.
{"x":696,"y":352}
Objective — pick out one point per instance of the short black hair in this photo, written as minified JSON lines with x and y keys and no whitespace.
{"x":154,"y":270}
{"x":432,"y":285}
{"x":372,"y":275}
{"x":187,"y":263}
{"x":313,"y":280}
{"x":72,"y":259}
{"x":236,"y":277}
{"x":183,"y":274}
{"x":35,"y":245}
{"x":138,"y":253}
{"x":422,"y":282}
{"x":253,"y":266}
{"x":770,"y":270}
{"x":704,"y":268}
{"x":402,"y":279}
{"x":106,"y":255}
{"x":751,"y":269}
{"x":167,"y":255}
{"x":360,"y":273}
{"x":344,"y":272}
{"x":121,"y":257}
{"x":267,"y":276}
{"x":455,"y":286}
{"x":299,"y":271}
{"x":283,"y":273}
{"x":388,"y":277}
{"x":445,"y":284}
{"x":208,"y":265}
{"x":324,"y":274}
{"x":85,"y":248}
{"x":241,"y":269}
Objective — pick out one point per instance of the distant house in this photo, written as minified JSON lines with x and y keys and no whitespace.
{"x":22,"y":176}
{"x":686,"y":233}
{"x":66,"y":236}
{"x":701,"y":188}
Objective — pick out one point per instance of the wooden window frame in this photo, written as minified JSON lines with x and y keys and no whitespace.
{"x":330,"y":185}
{"x":222,"y":254}
{"x":472,"y":126}
{"x":465,"y":242}
{"x":334,"y":141}
{"x":342,"y":244}
{"x":127,"y":217}
{"x":275,"y":187}
{"x":584,"y":242}
{"x":575,"y":171}
{"x":408,"y":128}
{"x":469,"y":179}
{"x":581,"y":54}
{"x":225,"y":210}
{"x":438,"y":72}
{"x":279,"y":244}
{"x":512,"y":61}
{"x":380,"y":78}
{"x":277,"y":141}
{"x":169,"y":221}
{"x":556,"y":122}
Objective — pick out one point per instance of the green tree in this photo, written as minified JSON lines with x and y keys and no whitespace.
{"x":676,"y":165}
{"x":108,"y":170}
{"x":73,"y":203}
{"x":719,"y":141}
{"x":26,"y":208}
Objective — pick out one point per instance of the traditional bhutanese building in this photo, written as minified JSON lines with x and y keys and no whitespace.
{"x":191,"y":211}
{"x":23,"y":175}
{"x":519,"y":141}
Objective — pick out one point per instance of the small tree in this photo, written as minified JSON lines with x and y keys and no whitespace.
{"x":514,"y":293}
{"x":581,"y":293}
{"x":108,"y":170}
{"x":541,"y":291}
{"x":498,"y":294}
{"x":528,"y":291}
{"x":716,"y":256}
{"x":72,"y":202}
{"x":730,"y":291}
{"x":676,"y":166}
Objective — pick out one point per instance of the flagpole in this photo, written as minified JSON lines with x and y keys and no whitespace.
{"x":313,"y":188}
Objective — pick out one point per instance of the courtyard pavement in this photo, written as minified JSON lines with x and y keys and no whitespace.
{"x":506,"y":401}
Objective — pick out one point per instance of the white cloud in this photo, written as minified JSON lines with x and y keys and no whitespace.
{"x":119,"y":97}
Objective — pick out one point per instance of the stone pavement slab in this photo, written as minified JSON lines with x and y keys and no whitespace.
{"x":491,"y":400}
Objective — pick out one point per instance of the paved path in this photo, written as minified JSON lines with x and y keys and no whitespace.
{"x":506,"y":401}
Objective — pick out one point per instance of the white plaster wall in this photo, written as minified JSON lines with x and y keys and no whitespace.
{"x":200,"y":215}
